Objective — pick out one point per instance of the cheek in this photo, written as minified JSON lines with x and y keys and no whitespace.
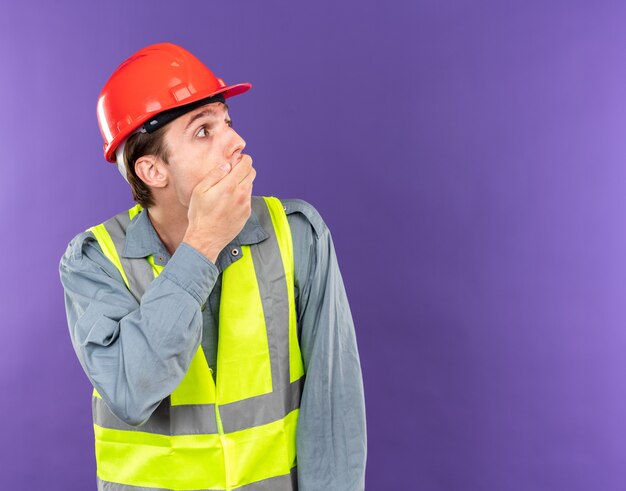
{"x":185,"y":180}
{"x":182,"y":180}
{"x":192,"y":168}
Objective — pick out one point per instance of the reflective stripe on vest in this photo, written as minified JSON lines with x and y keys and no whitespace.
{"x":241,"y":432}
{"x":280,"y":483}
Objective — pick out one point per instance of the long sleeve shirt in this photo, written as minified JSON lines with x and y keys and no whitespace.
{"x":136,"y":353}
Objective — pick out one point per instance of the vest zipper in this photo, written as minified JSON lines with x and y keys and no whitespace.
{"x":220,"y":431}
{"x":220,"y":428}
{"x":218,"y":418}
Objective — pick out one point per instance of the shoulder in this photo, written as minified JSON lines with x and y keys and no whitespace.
{"x":299,"y":210}
{"x":86,"y":242}
{"x":76,"y":247}
{"x":84,"y":267}
{"x":84,"y":256}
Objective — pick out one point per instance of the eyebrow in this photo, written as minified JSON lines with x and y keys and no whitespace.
{"x":209,"y":111}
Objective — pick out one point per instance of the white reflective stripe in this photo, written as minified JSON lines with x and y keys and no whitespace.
{"x":288,"y":482}
{"x":270,"y":272}
{"x":199,"y":419}
{"x":196,"y":419}
{"x":138,"y":270}
{"x":261,"y":410}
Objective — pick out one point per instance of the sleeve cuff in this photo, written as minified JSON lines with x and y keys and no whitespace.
{"x":192,"y":271}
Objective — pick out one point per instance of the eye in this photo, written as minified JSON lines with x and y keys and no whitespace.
{"x":202,"y":132}
{"x":229,"y":122}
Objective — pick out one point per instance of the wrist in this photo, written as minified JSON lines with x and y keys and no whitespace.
{"x":206,"y":247}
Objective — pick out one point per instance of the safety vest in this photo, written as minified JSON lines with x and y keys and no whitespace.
{"x":240,"y":430}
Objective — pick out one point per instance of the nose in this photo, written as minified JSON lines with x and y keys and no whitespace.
{"x":237,"y":144}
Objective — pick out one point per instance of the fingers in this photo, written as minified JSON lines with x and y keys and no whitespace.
{"x":242,"y":169}
{"x":214,"y":176}
{"x":248,"y":179}
{"x":240,"y":172}
{"x":227,"y":177}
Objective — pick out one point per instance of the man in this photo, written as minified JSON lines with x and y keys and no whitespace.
{"x":212,"y":324}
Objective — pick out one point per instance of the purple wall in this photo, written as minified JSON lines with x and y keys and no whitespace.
{"x":469,"y":160}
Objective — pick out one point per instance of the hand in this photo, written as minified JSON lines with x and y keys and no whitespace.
{"x":219,"y":207}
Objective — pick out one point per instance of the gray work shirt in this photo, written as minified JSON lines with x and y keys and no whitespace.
{"x":136,"y":354}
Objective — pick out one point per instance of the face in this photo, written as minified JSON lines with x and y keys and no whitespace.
{"x":198,"y":142}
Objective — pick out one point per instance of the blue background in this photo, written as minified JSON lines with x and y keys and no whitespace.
{"x":468,"y":158}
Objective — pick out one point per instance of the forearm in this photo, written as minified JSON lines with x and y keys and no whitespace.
{"x":331,"y":440}
{"x":135,"y":354}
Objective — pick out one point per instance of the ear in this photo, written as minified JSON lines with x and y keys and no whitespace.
{"x":152,"y":171}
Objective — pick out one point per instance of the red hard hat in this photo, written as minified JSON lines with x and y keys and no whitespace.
{"x":155,"y":79}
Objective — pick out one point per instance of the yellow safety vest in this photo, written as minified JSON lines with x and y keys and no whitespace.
{"x":239,"y":430}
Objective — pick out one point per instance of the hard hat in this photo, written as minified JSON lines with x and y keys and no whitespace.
{"x":155,"y":79}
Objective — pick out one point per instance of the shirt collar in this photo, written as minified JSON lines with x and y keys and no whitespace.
{"x":143,"y":241}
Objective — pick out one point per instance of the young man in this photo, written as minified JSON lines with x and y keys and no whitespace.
{"x":212,"y":324}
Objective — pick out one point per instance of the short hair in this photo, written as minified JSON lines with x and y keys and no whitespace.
{"x":138,"y":145}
